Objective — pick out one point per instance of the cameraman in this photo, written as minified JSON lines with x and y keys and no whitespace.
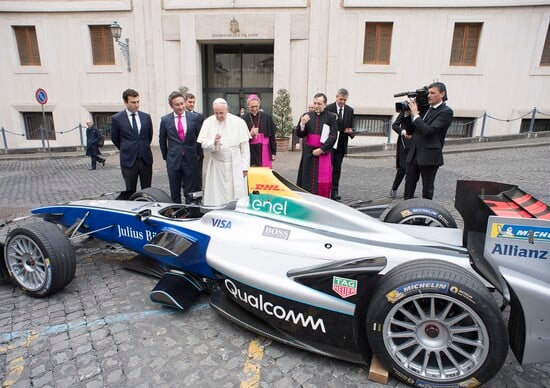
{"x":429,"y":131}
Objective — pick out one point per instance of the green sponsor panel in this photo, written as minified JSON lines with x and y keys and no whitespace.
{"x":282,"y":206}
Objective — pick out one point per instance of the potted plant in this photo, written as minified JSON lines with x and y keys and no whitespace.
{"x":282,"y":117}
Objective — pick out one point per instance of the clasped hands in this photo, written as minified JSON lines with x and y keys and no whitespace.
{"x":254,"y":132}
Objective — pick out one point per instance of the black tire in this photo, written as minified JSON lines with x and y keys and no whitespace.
{"x":3,"y":269}
{"x":429,"y":309}
{"x":420,"y":211}
{"x":151,"y":194}
{"x":39,"y":258}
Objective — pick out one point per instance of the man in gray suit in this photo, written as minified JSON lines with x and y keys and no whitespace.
{"x":132,"y":133}
{"x":345,"y":131}
{"x":178,"y":144}
{"x":190,"y":106}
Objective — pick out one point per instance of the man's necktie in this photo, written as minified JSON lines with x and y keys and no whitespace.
{"x":134,"y":123}
{"x":180,"y":129}
{"x":341,"y":114}
{"x":427,"y":113}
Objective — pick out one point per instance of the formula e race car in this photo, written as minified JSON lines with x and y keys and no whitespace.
{"x":322,"y":276}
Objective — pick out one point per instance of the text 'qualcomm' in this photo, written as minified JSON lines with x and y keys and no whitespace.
{"x":277,"y":311}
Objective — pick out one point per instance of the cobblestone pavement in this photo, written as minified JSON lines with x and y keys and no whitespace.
{"x":102,"y":330}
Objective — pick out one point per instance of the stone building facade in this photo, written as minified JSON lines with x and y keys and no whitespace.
{"x":494,"y":57}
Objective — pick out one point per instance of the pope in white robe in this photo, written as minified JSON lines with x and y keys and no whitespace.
{"x":225,"y":137}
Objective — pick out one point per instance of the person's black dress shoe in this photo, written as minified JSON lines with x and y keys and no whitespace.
{"x":336,"y":197}
{"x":393,"y":194}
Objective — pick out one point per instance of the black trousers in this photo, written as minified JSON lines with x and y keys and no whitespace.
{"x":95,"y":159}
{"x":401,"y":165}
{"x":337,"y":159}
{"x":199,"y":173}
{"x":138,"y":170}
{"x":414,"y":171}
{"x":183,"y":176}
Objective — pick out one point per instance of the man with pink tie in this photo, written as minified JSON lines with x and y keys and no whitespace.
{"x":178,"y":144}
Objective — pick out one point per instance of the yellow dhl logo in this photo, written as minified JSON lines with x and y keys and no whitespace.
{"x":262,"y":181}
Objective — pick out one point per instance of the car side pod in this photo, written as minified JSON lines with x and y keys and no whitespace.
{"x":176,"y":289}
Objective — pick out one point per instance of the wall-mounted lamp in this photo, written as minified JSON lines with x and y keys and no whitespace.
{"x":116,"y":30}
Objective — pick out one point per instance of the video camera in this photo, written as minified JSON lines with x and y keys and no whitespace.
{"x":420,"y":96}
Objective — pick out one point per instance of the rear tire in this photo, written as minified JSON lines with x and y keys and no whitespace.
{"x":420,"y":211}
{"x":3,"y":269}
{"x":432,"y":323}
{"x":151,"y":194}
{"x":39,"y":258}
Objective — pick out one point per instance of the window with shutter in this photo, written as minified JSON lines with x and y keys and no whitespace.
{"x":465,"y":44}
{"x":27,"y":45}
{"x":103,"y":52}
{"x":377,"y":43}
{"x":545,"y":58}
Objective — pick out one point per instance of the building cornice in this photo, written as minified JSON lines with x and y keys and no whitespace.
{"x":65,"y":6}
{"x":440,"y":3}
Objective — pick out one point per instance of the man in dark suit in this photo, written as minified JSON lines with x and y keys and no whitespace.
{"x":178,"y":143}
{"x":426,"y":152}
{"x":93,"y":137}
{"x":190,"y":106}
{"x":345,"y":131}
{"x":404,"y":141}
{"x":132,"y":133}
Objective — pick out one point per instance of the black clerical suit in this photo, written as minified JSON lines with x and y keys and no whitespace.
{"x":315,"y":172}
{"x":266,"y":126}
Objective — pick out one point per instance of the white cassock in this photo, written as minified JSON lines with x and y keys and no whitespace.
{"x":224,"y":181}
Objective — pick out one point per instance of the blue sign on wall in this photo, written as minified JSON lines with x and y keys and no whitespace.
{"x":41,"y":96}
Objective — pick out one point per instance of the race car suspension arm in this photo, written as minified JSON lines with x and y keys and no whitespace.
{"x":73,"y":229}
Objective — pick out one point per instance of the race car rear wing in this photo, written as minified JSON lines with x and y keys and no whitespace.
{"x":506,"y":232}
{"x":477,"y":200}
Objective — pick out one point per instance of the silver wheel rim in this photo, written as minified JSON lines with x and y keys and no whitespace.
{"x":436,"y":337}
{"x":420,"y":219}
{"x":26,"y":263}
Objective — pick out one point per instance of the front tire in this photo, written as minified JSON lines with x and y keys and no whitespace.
{"x":39,"y":258}
{"x":434,"y":323}
{"x":151,"y":194}
{"x":420,"y":211}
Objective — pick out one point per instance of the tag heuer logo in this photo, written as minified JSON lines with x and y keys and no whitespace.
{"x":344,"y":287}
